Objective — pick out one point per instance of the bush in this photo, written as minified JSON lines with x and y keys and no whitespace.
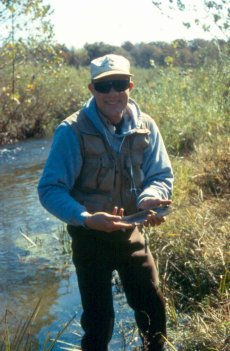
{"x":42,"y":97}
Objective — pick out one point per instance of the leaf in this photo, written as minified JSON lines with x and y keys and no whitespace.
{"x":187,"y":24}
{"x":15,"y":97}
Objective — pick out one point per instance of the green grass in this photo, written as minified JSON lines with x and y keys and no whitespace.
{"x":192,"y":251}
{"x":190,"y":106}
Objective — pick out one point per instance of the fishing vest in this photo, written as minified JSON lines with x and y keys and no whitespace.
{"x":109,"y":178}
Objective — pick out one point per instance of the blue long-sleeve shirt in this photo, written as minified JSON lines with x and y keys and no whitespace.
{"x":64,"y":164}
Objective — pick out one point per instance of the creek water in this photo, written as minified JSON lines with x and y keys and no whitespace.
{"x":35,"y":262}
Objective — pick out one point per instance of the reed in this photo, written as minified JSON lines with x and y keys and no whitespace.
{"x":23,"y":339}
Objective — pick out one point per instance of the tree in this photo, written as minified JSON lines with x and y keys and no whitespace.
{"x":25,"y":54}
{"x":23,"y":24}
{"x":23,"y":19}
{"x":217,"y":14}
{"x":98,"y":49}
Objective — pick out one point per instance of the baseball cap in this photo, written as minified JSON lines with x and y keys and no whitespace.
{"x":109,"y":65}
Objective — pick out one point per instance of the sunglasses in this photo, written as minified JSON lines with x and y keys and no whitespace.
{"x":105,"y":86}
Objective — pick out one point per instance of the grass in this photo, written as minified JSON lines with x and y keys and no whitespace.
{"x":190,"y":106}
{"x":23,"y":339}
{"x":192,"y":251}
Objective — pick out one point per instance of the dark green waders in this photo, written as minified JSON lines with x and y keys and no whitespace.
{"x":96,"y":255}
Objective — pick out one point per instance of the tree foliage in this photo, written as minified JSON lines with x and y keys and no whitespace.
{"x":25,"y":40}
{"x":24,"y":19}
{"x":23,"y":24}
{"x":216,"y":14}
{"x":178,"y":53}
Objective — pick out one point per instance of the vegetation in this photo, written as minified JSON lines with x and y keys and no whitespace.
{"x":215,"y":14}
{"x":192,"y":250}
{"x":31,"y":105}
{"x":23,"y":339}
{"x":38,"y":103}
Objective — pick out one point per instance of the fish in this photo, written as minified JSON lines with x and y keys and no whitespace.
{"x":141,"y":216}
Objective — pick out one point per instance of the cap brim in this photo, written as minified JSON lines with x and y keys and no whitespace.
{"x":112,"y":73}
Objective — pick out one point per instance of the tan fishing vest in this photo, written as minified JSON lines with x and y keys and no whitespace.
{"x":108,"y":178}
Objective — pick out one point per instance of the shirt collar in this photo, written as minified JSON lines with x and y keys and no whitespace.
{"x":127,"y":117}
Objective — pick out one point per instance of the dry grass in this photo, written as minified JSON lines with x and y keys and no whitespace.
{"x":20,"y":337}
{"x":192,"y":252}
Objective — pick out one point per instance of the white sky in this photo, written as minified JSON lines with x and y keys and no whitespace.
{"x":116,"y":21}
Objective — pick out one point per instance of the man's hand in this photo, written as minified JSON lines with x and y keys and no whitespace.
{"x":150,"y":202}
{"x":107,"y":222}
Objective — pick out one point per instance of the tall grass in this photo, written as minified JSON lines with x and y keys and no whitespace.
{"x":192,"y":250}
{"x":23,"y":339}
{"x":192,"y":109}
{"x":189,"y":105}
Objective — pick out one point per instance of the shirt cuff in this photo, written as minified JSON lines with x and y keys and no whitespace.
{"x":83,"y":216}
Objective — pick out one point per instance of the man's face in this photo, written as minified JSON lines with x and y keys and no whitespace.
{"x":112,"y":103}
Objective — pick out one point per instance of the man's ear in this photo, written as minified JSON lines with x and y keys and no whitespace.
{"x":131,"y":85}
{"x":90,"y":87}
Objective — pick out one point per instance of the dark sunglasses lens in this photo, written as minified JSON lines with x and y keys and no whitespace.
{"x":102,"y":87}
{"x":121,"y":85}
{"x":118,"y":85}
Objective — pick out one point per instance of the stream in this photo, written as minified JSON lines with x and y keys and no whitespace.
{"x":35,"y":258}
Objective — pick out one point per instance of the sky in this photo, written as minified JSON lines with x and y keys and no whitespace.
{"x":114,"y":22}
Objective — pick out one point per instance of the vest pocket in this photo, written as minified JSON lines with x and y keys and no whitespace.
{"x":106,"y":174}
{"x":98,"y":174}
{"x":89,"y":175}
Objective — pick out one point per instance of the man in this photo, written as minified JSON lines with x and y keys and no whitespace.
{"x":106,"y":161}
